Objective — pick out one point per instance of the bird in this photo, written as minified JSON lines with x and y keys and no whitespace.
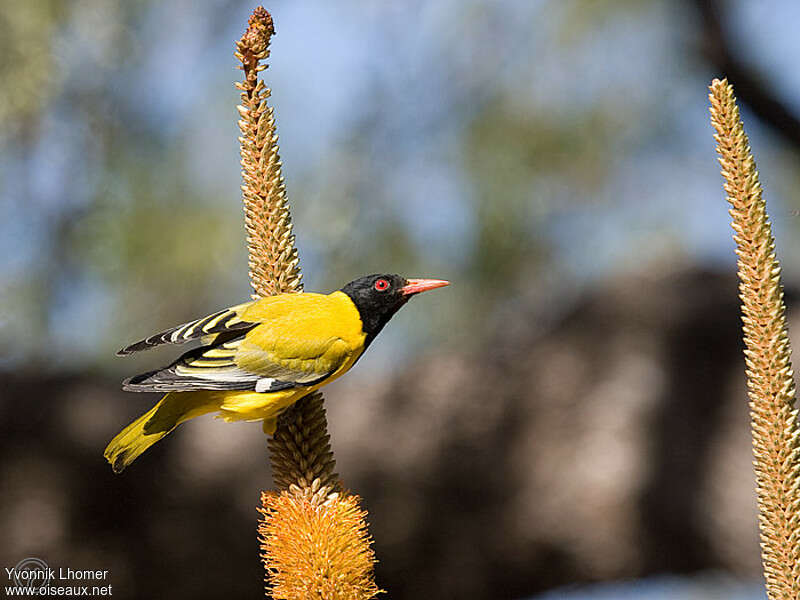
{"x":258,"y":358}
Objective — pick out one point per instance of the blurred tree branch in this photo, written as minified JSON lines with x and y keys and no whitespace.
{"x":751,"y":87}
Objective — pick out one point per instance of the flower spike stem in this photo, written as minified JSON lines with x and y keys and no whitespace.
{"x":314,"y":538}
{"x":274,"y":266}
{"x":298,"y":450}
{"x":770,"y":380}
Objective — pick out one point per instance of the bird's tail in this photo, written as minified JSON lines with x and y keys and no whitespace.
{"x":171,"y":411}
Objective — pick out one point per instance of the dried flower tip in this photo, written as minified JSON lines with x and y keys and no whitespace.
{"x":259,"y":31}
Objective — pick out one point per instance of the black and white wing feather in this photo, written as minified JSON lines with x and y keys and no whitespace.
{"x":214,"y":368}
{"x":220,"y":322}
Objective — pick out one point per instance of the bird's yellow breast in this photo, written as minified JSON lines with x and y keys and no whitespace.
{"x":310,"y":331}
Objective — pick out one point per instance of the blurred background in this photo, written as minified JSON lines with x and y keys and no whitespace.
{"x":567,"y":420}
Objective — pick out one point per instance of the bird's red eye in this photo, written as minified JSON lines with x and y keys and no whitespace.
{"x":381,"y":285}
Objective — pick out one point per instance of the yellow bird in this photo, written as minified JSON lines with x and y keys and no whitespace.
{"x":260,"y":357}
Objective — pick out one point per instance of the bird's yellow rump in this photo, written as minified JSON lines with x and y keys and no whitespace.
{"x":258,"y":358}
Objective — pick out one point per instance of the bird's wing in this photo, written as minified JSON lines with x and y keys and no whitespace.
{"x":238,"y":364}
{"x":204,"y":368}
{"x":220,"y":322}
{"x":293,"y":340}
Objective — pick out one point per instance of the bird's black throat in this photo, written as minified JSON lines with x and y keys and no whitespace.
{"x":376,"y":308}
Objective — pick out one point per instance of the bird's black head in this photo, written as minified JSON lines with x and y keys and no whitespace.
{"x":378,"y":297}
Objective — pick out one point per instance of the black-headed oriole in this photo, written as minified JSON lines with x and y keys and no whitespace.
{"x":260,"y":357}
